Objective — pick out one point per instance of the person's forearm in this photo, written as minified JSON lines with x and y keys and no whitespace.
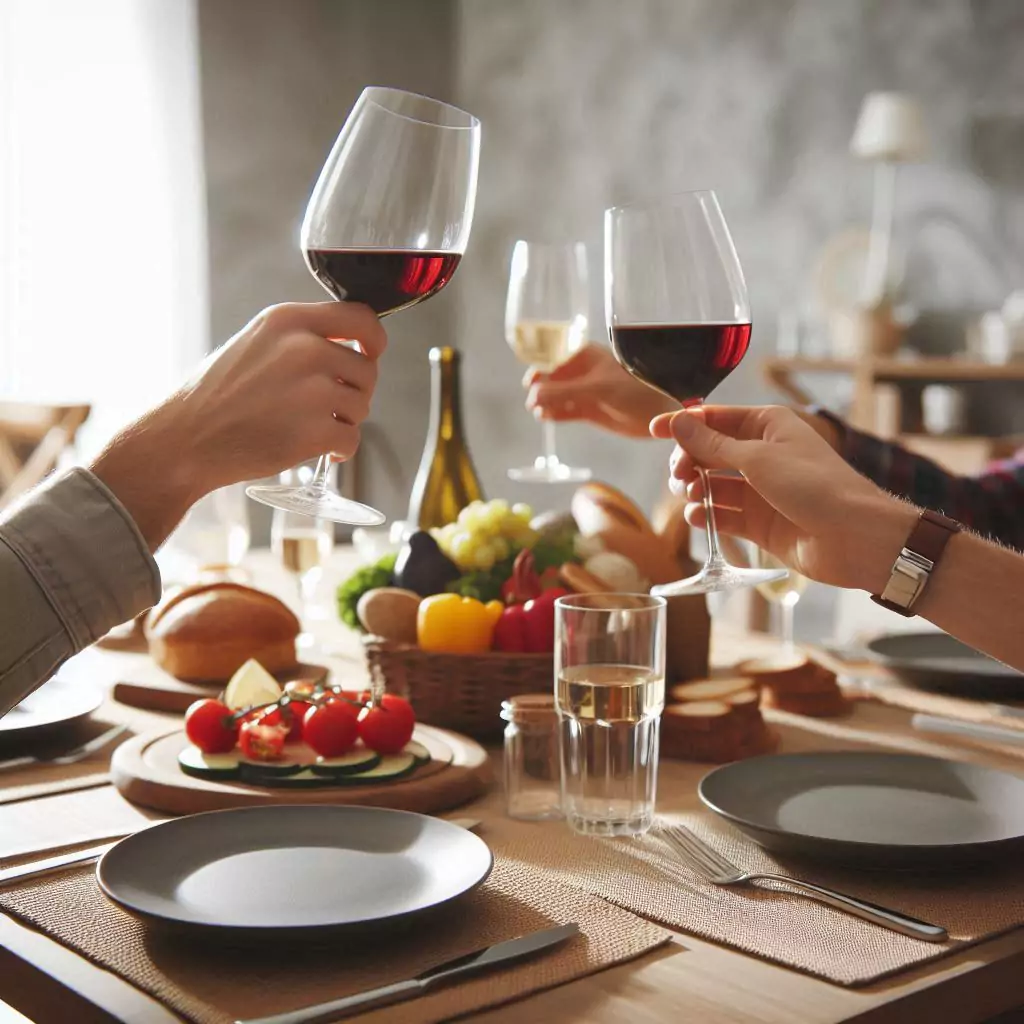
{"x":976,"y":592}
{"x":147,"y":468}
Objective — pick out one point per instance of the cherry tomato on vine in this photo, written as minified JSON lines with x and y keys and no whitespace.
{"x":332,"y":728}
{"x":388,"y":727}
{"x":209,"y":725}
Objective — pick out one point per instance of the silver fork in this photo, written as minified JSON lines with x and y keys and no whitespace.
{"x":72,"y":756}
{"x":714,"y":868}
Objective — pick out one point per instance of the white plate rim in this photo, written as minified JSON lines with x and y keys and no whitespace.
{"x":270,"y":930}
{"x":908,"y":848}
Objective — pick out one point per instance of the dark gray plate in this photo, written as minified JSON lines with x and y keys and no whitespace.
{"x":937,"y":661}
{"x":871,"y":810}
{"x":298,"y":868}
{"x":56,"y":703}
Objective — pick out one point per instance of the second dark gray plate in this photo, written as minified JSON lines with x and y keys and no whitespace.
{"x":297,"y":868}
{"x":871,"y":810}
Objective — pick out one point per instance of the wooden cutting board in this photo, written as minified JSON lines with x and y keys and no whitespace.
{"x":145,"y":770}
{"x":145,"y":685}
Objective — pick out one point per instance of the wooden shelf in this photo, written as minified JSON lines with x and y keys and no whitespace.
{"x":898,"y":369}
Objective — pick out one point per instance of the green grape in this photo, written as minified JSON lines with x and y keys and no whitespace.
{"x":462,"y":548}
{"x":484,"y":557}
{"x":501,"y":548}
{"x":522,"y":511}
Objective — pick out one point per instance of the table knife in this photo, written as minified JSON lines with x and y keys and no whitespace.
{"x":51,"y":864}
{"x":972,"y":730}
{"x":482,"y":959}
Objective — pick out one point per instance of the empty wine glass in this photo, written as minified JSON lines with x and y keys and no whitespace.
{"x":387,"y":224}
{"x":303,"y":546}
{"x":545,"y":323}
{"x":783,"y":593}
{"x":679,"y":319}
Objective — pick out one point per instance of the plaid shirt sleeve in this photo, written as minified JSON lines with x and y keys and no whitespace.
{"x":991,"y":504}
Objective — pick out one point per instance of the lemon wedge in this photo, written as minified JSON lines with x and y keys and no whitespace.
{"x":250,"y":686}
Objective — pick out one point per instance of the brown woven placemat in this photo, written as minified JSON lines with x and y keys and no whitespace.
{"x":646,"y":878}
{"x":214,"y":985}
{"x":900,"y":695}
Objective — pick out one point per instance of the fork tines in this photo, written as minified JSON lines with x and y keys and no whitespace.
{"x":701,"y":857}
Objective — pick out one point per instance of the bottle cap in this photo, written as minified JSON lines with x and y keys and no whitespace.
{"x":444,"y":354}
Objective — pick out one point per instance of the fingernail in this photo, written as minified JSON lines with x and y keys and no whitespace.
{"x":538,"y":412}
{"x":682,"y":425}
{"x":675,"y":486}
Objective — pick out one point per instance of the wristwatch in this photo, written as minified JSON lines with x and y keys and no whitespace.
{"x":913,"y":568}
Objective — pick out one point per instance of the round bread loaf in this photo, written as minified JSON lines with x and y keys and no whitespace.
{"x":206,"y":632}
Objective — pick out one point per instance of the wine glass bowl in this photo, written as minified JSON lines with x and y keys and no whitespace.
{"x":545,"y":324}
{"x":679,"y":321}
{"x":387,"y":225}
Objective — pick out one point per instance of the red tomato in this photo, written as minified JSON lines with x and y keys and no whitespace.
{"x":299,"y":709}
{"x":261,"y":742}
{"x":331,"y":729}
{"x":208,"y":724}
{"x":388,"y":727}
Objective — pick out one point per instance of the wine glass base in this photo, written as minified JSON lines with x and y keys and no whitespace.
{"x":321,"y":504}
{"x":549,"y":471}
{"x":713,"y":579}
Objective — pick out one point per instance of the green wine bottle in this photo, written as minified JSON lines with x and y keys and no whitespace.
{"x":446,"y":481}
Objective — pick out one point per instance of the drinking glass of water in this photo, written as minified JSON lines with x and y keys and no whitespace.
{"x":609,"y":694}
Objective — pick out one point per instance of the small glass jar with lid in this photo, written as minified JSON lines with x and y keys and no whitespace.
{"x":533,"y":789}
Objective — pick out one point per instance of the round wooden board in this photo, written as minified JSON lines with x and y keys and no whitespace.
{"x":145,"y":771}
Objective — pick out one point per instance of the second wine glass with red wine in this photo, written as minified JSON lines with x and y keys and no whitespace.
{"x":679,"y":320}
{"x":387,"y":224}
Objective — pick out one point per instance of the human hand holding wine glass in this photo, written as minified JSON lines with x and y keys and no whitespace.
{"x":679,"y":319}
{"x":386,"y":225}
{"x":545,"y":324}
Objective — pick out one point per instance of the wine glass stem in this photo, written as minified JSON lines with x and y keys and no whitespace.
{"x":550,"y":455}
{"x":787,"y":623}
{"x":714,"y":552}
{"x":322,"y":475}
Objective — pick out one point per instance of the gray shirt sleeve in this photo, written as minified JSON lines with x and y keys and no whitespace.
{"x":72,"y":565}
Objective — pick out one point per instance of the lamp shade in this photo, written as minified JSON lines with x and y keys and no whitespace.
{"x":890,"y":127}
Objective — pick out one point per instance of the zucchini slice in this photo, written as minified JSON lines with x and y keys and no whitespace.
{"x":352,"y":763}
{"x":268,"y":772}
{"x":395,"y":766}
{"x":304,"y":778}
{"x":417,"y":750}
{"x":193,"y":761}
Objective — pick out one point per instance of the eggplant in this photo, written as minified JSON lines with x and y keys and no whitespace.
{"x":423,"y":567}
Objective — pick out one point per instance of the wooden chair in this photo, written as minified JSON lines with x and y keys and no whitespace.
{"x":32,"y":440}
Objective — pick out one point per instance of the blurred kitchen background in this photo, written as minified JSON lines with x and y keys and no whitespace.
{"x":157,"y":156}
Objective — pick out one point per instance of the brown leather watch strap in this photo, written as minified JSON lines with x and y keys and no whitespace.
{"x":931,"y":534}
{"x":920,"y":555}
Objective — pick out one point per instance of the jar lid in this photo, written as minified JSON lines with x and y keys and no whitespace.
{"x":529,"y":707}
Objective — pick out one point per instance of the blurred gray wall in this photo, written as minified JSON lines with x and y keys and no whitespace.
{"x":589,"y":102}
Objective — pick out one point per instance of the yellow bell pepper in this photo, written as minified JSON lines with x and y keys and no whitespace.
{"x":460,"y":625}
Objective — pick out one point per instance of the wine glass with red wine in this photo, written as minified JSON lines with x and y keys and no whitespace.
{"x":387,"y":224}
{"x":679,"y":320}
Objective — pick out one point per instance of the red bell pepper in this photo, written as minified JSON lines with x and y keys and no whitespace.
{"x":524,"y":583}
{"x":510,"y":632}
{"x":539,"y":616}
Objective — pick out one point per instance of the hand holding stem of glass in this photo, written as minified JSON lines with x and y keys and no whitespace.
{"x":545,"y":323}
{"x":679,"y":320}
{"x":386,"y":225}
{"x":609,"y":695}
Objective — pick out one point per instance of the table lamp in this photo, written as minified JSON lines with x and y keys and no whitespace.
{"x":890,"y":131}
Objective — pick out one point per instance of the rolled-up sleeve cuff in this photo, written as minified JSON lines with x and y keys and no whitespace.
{"x":86,"y":553}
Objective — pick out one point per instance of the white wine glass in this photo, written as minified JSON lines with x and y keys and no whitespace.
{"x":387,"y":224}
{"x":545,"y":323}
{"x":679,"y":319}
{"x":784,"y":593}
{"x":303,"y":546}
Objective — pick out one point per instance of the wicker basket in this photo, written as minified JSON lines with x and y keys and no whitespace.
{"x":462,"y":692}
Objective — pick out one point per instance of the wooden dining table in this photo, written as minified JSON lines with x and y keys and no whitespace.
{"x":688,"y":979}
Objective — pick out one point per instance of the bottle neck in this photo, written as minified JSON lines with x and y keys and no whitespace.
{"x":446,"y":402}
